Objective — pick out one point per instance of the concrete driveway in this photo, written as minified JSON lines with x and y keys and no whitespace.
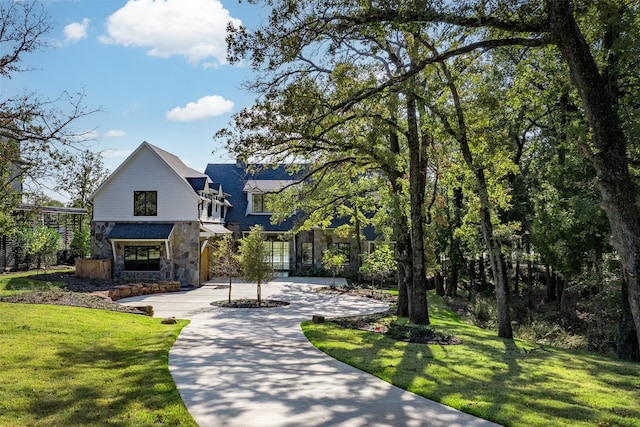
{"x":255,"y":367}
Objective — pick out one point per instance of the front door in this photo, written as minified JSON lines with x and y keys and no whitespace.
{"x":204,"y":265}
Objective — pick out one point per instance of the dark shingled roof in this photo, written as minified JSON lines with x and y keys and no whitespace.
{"x":233,"y":179}
{"x":197,"y":184}
{"x":144,"y":231}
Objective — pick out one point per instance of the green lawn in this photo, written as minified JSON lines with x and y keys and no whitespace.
{"x":18,"y":282}
{"x":76,"y":366}
{"x":514,"y":383}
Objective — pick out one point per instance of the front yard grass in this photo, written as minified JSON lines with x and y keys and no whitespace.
{"x":19,"y":282}
{"x":68,"y":366}
{"x":511,"y":382}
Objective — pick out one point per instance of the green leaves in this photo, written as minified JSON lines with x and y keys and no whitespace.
{"x":253,"y":257}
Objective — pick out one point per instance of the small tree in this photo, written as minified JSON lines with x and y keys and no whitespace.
{"x":333,"y":259}
{"x":43,"y":243}
{"x":380,"y":263}
{"x":254,"y":258}
{"x":80,"y":244}
{"x":225,"y":259}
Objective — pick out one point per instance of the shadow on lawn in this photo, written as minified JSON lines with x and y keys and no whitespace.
{"x":506,"y":385}
{"x":29,"y":284}
{"x":139,"y":387}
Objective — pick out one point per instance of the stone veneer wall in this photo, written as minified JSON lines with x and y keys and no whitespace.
{"x":185,"y":244}
{"x":182,"y":265}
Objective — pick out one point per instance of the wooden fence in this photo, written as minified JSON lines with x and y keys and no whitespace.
{"x":93,"y":268}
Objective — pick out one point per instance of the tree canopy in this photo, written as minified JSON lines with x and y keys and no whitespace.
{"x":476,"y":122}
{"x":35,"y":133}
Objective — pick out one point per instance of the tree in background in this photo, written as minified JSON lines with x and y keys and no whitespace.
{"x":225,"y":259}
{"x":43,"y":243}
{"x":81,"y":243}
{"x":321,"y":41}
{"x":379,"y":263}
{"x":333,"y":260}
{"x":83,"y":175}
{"x":34,"y":132}
{"x":254,"y":259}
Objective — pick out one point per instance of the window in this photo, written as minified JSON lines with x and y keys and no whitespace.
{"x":145,"y":203}
{"x":278,"y":254}
{"x":142,"y":258}
{"x":344,"y":248}
{"x":259,"y":202}
{"x":307,"y":253}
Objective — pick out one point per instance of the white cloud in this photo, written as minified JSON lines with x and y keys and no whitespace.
{"x":204,"y":108}
{"x":76,"y":31}
{"x":115,"y":154}
{"x":115,"y":134}
{"x":195,"y":29}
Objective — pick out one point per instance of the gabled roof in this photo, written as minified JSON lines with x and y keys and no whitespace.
{"x":198,"y":184}
{"x":176,"y":165}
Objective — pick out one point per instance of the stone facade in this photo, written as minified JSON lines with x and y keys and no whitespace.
{"x":181,"y":264}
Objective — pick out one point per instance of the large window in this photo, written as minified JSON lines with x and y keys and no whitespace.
{"x":259,"y":202}
{"x":142,"y":258}
{"x":145,"y":203}
{"x":278,"y":254}
{"x":307,"y":253}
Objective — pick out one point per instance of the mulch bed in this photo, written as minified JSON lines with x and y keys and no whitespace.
{"x":74,"y":299}
{"x":78,"y":284}
{"x":384,"y":323}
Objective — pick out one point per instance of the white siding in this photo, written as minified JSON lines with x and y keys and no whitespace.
{"x":145,"y":172}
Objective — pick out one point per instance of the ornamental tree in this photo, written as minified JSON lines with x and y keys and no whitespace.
{"x":254,"y":259}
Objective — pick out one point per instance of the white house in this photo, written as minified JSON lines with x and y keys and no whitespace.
{"x":153,"y":217}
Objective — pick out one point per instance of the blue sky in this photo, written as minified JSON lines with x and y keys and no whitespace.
{"x":154,"y":68}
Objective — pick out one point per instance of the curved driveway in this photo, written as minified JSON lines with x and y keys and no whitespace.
{"x":255,"y":367}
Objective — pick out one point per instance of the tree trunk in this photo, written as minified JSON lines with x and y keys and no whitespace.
{"x":610,"y":159}
{"x":471,"y":269}
{"x":452,"y":284}
{"x":403,"y":241}
{"x":259,"y":290}
{"x":495,"y":259}
{"x":482,"y":273}
{"x":456,"y":263}
{"x":358,"y":231}
{"x":529,"y":283}
{"x":405,"y":278}
{"x":493,"y":245}
{"x":559,"y":291}
{"x":550,"y":284}
{"x":437,"y":280}
{"x":418,"y":313}
{"x":516,"y":281}
{"x":627,"y":340}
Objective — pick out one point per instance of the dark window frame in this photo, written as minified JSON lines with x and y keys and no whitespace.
{"x":307,"y":253}
{"x":142,"y":258}
{"x":344,"y":247}
{"x":259,"y":203}
{"x":145,"y":203}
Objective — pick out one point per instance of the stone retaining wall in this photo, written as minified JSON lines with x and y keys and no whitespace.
{"x":135,"y":289}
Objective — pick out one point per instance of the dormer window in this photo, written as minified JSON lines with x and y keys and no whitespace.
{"x":259,"y":203}
{"x":261,"y":192}
{"x":145,"y":203}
